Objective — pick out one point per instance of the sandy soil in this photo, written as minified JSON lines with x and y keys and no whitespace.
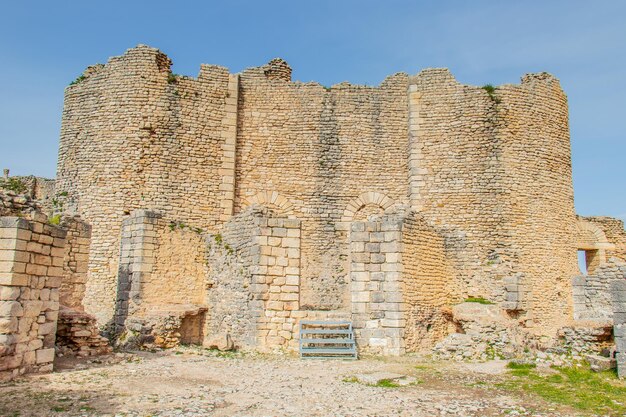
{"x":196,"y":382}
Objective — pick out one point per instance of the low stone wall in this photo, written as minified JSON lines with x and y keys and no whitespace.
{"x":31,"y":270}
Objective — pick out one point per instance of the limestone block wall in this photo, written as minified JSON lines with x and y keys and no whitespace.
{"x":489,"y":171}
{"x":166,"y":139}
{"x":320,"y":149}
{"x":75,"y":262}
{"x":378,"y":305}
{"x":425,"y":285}
{"x":592,"y":294}
{"x":235,"y":299}
{"x":492,"y":173}
{"x":162,"y":268}
{"x":179,"y":272}
{"x":31,"y":270}
{"x":279,"y":274}
{"x":253,"y":290}
{"x":618,"y":292}
{"x":136,"y":262}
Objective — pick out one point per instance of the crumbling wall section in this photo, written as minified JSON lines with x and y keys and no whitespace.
{"x":161,"y":281}
{"x":234,"y":299}
{"x":14,"y":204}
{"x":592,"y":293}
{"x":31,"y":270}
{"x":425,"y":284}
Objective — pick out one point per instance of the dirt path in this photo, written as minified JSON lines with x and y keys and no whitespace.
{"x":193,"y":382}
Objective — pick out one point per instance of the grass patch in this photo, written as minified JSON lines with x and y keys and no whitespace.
{"x":578,"y":387}
{"x":351,"y":380}
{"x":520,"y":369}
{"x":479,"y":300}
{"x":78,"y":80}
{"x":172,"y":78}
{"x":55,"y":220}
{"x":386,"y":383}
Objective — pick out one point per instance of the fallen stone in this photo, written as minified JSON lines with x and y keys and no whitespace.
{"x":600,"y":363}
{"x":222,"y":342}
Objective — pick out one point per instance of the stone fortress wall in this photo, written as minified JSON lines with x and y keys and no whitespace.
{"x":479,"y":183}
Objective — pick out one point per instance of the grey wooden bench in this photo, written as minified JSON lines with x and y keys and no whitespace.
{"x":327,"y":340}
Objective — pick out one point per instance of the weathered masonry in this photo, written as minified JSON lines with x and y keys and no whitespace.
{"x":240,"y":204}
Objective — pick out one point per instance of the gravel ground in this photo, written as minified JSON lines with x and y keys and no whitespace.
{"x":196,"y":382}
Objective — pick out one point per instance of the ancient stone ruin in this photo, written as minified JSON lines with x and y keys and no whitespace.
{"x":226,"y":208}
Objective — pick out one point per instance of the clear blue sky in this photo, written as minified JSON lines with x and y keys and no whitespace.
{"x":46,"y":44}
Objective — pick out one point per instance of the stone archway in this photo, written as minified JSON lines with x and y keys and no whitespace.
{"x":362,"y":202}
{"x":592,"y":240}
{"x":271,"y":200}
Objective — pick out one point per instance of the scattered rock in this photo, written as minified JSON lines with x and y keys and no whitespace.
{"x":222,"y":342}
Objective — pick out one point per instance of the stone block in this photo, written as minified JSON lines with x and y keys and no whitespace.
{"x":32,"y":308}
{"x":393,"y":257}
{"x":12,"y":222}
{"x":360,"y":257}
{"x":377,"y":297}
{"x":619,"y":306}
{"x":291,"y":242}
{"x":357,"y":227}
{"x":600,"y":363}
{"x":10,"y":362}
{"x":38,"y":270}
{"x":359,"y":275}
{"x":377,"y":276}
{"x":377,"y":258}
{"x":45,"y":355}
{"x":360,"y":296}
{"x":8,"y":325}
{"x":13,"y":279}
{"x":11,"y":309}
{"x":372,"y":247}
{"x":9,"y":293}
{"x":11,"y":266}
{"x":619,"y":318}
{"x":398,"y":323}
{"x":47,"y":328}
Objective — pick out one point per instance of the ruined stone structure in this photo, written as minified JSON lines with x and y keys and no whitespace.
{"x":385,"y":205}
{"x":241,"y":204}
